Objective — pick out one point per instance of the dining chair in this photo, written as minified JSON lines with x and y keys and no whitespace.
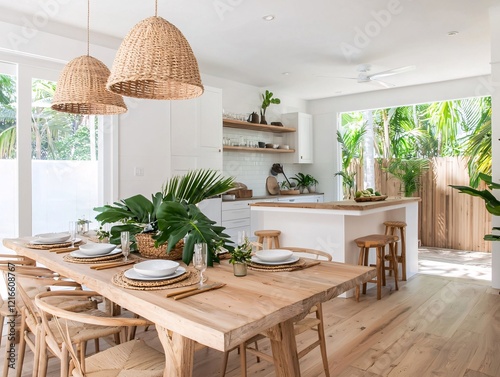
{"x":312,"y":320}
{"x":131,"y":358}
{"x":40,"y":278}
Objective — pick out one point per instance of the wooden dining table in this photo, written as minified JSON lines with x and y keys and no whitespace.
{"x":221,"y":319}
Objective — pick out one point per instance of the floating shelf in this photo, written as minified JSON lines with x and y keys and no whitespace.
{"x":257,"y":150}
{"x":232,"y":123}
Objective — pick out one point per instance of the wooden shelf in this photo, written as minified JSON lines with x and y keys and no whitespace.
{"x":231,"y":123}
{"x":257,"y":150}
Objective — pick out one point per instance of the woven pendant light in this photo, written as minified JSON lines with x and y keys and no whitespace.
{"x":81,"y":88}
{"x":155,"y":61}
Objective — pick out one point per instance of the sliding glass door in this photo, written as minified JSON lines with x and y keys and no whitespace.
{"x":54,"y":167}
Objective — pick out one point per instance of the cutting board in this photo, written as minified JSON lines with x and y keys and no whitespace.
{"x":272,"y":185}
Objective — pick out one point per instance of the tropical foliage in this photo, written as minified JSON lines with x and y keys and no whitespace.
{"x":172,"y":214}
{"x":440,"y":129}
{"x":55,"y":135}
{"x":491,"y":202}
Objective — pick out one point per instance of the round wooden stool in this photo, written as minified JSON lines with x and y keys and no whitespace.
{"x":390,"y":229}
{"x":268,"y":236}
{"x":379,"y":242}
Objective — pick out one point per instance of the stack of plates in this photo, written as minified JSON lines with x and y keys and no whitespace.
{"x":156,"y":269}
{"x":95,"y":250}
{"x":50,"y":238}
{"x":275,"y":257}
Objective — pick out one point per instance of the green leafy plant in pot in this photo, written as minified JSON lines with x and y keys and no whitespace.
{"x":137,"y":214}
{"x":240,"y":256}
{"x":305,"y":182}
{"x":267,"y":100}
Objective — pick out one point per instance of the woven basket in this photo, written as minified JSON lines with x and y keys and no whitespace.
{"x":155,"y":61}
{"x":81,"y":89}
{"x":147,"y":249}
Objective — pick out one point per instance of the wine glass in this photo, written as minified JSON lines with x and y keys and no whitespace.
{"x":72,"y":232}
{"x":125,"y":244}
{"x":200,"y":259}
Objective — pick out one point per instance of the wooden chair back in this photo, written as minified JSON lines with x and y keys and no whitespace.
{"x":311,"y":253}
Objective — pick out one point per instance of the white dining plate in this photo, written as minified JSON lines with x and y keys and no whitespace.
{"x":156,"y":267}
{"x":43,"y":242}
{"x":134,"y":275}
{"x":79,"y":254}
{"x":51,"y":238}
{"x":292,"y":259}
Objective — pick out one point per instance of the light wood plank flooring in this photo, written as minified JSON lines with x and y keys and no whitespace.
{"x":434,"y":326}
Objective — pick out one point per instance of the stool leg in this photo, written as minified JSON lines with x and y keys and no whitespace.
{"x":383,"y":267}
{"x":276,"y":242}
{"x":380,"y":255}
{"x":261,"y":241}
{"x":365,"y":262}
{"x":403,"y":252}
{"x":269,"y":243}
{"x":394,"y":257}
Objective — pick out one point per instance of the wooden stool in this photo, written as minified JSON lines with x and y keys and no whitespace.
{"x":390,"y":229}
{"x":268,"y":236}
{"x":379,"y":242}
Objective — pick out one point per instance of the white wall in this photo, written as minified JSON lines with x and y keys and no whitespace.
{"x":325,"y":113}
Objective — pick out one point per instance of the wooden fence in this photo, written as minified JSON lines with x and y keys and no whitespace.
{"x":447,"y":219}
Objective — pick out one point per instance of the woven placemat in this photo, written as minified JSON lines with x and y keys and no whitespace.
{"x":108,"y":258}
{"x":191,"y":277}
{"x":300,"y":264}
{"x":52,"y":246}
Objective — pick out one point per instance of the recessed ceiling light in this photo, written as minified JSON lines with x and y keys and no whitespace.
{"x":452,"y":33}
{"x":269,"y":17}
{"x":286,"y":73}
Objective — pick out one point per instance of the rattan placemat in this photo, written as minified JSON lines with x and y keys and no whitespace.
{"x":106,"y":258}
{"x":300,"y":264}
{"x":51,"y":246}
{"x":191,"y":277}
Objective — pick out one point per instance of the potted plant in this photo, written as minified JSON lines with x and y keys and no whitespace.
{"x":240,"y":256}
{"x":305,"y":182}
{"x":139,"y":215}
{"x":267,"y":100}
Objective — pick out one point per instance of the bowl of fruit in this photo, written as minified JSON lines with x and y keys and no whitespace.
{"x":369,"y":195}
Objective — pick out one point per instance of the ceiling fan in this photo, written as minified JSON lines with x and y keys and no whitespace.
{"x":364,"y":76}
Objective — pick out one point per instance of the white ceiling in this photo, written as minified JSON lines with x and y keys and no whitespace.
{"x":306,"y":39}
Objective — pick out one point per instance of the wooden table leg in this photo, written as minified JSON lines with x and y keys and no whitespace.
{"x":179,"y":353}
{"x":284,"y":347}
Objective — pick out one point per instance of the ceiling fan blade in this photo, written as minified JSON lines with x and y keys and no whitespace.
{"x":391,"y":72}
{"x":383,"y":83}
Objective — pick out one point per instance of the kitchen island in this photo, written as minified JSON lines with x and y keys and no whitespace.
{"x":333,"y":226}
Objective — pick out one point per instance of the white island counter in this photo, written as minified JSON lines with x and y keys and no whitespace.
{"x":333,"y":226}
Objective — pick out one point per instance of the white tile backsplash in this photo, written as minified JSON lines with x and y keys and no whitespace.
{"x":252,"y":168}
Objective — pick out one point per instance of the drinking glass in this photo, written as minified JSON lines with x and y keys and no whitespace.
{"x":125,"y":244}
{"x":200,"y":259}
{"x":72,"y":232}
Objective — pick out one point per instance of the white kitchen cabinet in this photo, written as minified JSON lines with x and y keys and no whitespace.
{"x":196,"y":132}
{"x":303,"y":138}
{"x":301,"y":199}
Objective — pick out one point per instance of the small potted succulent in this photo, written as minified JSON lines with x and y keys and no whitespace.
{"x":240,"y":256}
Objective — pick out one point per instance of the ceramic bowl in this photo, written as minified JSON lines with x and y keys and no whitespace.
{"x":156,"y":267}
{"x":273,"y":255}
{"x":97,"y":248}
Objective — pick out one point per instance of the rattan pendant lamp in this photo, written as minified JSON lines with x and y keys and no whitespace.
{"x":81,"y":88}
{"x":155,"y":61}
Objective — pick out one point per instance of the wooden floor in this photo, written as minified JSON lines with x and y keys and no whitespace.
{"x":433,"y":326}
